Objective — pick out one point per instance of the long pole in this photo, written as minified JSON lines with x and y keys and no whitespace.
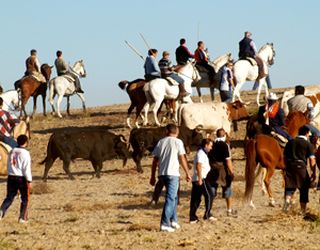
{"x":145,"y":41}
{"x":134,"y":50}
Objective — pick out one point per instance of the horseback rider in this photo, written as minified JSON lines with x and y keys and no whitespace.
{"x":33,"y":67}
{"x":275,"y":114}
{"x":151,"y":67}
{"x":63,"y":69}
{"x":247,"y":48}
{"x":302,"y":103}
{"x":182,"y":53}
{"x":167,"y":70}
{"x":202,"y":59}
{"x":7,"y":123}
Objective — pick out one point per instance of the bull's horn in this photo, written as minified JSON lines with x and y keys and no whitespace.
{"x":123,"y":139}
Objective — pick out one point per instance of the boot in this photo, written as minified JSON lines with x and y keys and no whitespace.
{"x":182,"y":91}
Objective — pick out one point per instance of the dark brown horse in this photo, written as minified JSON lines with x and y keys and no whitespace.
{"x":29,"y":86}
{"x":266,"y":151}
{"x":138,"y":99}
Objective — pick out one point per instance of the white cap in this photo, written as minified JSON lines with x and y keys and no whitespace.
{"x":272,"y":96}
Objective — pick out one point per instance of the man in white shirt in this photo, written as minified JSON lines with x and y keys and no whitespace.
{"x":19,"y":178}
{"x":199,"y":184}
{"x":167,"y":154}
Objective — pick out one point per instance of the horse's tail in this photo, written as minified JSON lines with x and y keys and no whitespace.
{"x":123,"y":84}
{"x":251,"y":154}
{"x":51,"y":90}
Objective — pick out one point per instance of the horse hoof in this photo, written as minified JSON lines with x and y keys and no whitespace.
{"x":272,"y":203}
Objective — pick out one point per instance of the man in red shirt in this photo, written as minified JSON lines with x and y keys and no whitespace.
{"x":201,"y":57}
{"x":7,"y":122}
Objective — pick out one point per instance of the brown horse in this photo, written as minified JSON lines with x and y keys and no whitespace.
{"x":138,"y":99}
{"x":266,"y":151}
{"x":29,"y":86}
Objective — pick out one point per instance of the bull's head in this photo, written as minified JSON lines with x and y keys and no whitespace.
{"x":121,"y":148}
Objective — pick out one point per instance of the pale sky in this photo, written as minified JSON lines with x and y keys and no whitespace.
{"x":95,"y":31}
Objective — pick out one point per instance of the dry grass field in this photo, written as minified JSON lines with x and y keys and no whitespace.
{"x":113,"y":212}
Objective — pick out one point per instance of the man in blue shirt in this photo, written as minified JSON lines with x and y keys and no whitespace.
{"x":151,"y":67}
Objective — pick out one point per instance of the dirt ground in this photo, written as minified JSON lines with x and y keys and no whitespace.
{"x":113,"y":212}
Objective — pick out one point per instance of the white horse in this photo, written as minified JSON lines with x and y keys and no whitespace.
{"x":11,"y":100}
{"x":244,"y":71}
{"x":204,"y":82}
{"x":159,"y":89}
{"x":62,"y":87}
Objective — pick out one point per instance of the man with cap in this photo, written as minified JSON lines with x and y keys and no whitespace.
{"x":274,"y":115}
{"x":247,"y":48}
{"x":33,"y":67}
{"x":167,"y":70}
{"x":63,"y":69}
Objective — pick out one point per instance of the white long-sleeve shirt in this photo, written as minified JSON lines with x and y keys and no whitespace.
{"x":19,"y":163}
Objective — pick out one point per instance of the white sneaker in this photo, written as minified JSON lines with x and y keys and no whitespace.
{"x":211,"y":218}
{"x":175,"y":225}
{"x":1,"y":214}
{"x":165,"y":228}
{"x":22,"y":221}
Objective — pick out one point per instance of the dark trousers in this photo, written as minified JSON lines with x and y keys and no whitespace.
{"x":77,"y":83}
{"x":211,"y":71}
{"x":150,"y":77}
{"x":196,"y":194}
{"x":14,"y":184}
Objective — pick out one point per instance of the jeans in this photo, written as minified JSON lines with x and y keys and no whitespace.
{"x":226,"y":96}
{"x":256,"y":83}
{"x":169,"y":212}
{"x":10,"y":141}
{"x":15,"y":184}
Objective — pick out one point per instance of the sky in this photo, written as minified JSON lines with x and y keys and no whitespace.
{"x":95,"y":31}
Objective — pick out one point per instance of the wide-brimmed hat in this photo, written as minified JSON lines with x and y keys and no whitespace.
{"x":272,"y":97}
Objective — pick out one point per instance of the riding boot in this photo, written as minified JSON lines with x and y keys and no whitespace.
{"x":182,"y":91}
{"x":78,"y":86}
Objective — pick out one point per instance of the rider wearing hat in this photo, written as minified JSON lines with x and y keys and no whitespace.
{"x":274,"y":115}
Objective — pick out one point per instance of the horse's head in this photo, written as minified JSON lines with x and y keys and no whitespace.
{"x":267,"y":53}
{"x":222,"y":60}
{"x":46,"y":71}
{"x":79,"y":68}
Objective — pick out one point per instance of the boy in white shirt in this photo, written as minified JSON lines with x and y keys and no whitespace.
{"x":19,"y":178}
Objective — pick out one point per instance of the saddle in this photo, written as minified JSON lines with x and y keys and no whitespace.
{"x":201,"y":69}
{"x":261,"y":67}
{"x":171,"y":81}
{"x":69,"y":78}
{"x":38,"y":76}
{"x":251,"y":60}
{"x":280,"y":139}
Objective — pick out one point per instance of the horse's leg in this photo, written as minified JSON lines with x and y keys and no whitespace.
{"x":44,"y":104}
{"x":175,"y":108}
{"x":212,"y":93}
{"x":58,"y":105}
{"x":236,"y":93}
{"x":51,"y":100}
{"x":34,"y":105}
{"x":262,"y":83}
{"x":199,"y":94}
{"x":267,"y":180}
{"x":132,"y":106}
{"x":68,"y":105}
{"x":155,"y":111}
{"x":146,"y":110}
{"x":83,"y":102}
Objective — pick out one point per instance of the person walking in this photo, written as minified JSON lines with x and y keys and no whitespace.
{"x":297,"y":153}
{"x":167,"y":154}
{"x":19,"y":179}
{"x":200,"y":186}
{"x":221,"y":172}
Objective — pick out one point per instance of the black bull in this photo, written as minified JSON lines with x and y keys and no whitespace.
{"x":96,"y":146}
{"x":145,"y":139}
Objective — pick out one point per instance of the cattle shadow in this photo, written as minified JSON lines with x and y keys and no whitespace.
{"x":75,"y":128}
{"x":101,"y":113}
